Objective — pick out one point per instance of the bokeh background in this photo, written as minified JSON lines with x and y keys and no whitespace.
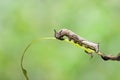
{"x":24,"y":20}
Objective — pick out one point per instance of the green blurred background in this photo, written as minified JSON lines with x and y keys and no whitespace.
{"x":24,"y":20}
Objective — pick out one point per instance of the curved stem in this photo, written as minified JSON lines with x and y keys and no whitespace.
{"x":22,"y":58}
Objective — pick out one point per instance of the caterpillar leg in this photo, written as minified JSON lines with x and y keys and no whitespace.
{"x":89,"y":53}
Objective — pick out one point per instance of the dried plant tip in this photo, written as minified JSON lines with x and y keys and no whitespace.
{"x":110,"y":57}
{"x":105,"y":57}
{"x":118,"y":57}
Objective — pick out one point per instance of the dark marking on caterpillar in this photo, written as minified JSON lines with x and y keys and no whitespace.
{"x":77,"y":39}
{"x":90,"y":53}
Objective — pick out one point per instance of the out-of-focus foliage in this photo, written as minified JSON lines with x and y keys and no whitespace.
{"x":24,"y":20}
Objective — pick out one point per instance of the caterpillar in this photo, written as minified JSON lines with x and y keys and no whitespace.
{"x":83,"y":42}
{"x":76,"y":39}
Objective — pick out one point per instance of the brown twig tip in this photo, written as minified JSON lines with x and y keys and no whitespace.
{"x":111,"y":57}
{"x":118,"y":57}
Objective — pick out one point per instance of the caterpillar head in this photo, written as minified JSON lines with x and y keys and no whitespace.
{"x":58,"y":35}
